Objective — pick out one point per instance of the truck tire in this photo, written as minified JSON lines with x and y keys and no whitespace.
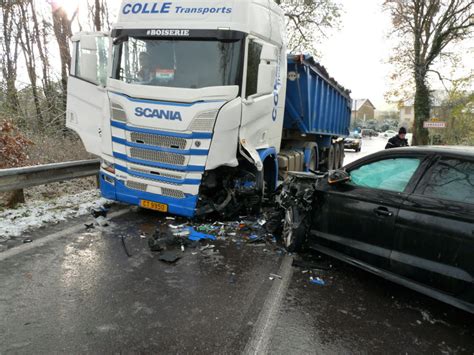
{"x":337,"y":156}
{"x":331,"y":158}
{"x":343,"y":154}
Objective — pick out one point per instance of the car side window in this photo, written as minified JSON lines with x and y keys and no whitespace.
{"x":451,"y":179}
{"x":388,"y":174}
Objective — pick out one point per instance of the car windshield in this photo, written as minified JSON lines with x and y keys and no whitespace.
{"x":354,"y":135}
{"x":178,"y":63}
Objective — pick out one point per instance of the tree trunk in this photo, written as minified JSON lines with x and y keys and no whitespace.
{"x":422,"y":109}
{"x":62,"y":32}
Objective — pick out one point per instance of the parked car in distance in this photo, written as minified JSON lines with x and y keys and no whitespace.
{"x":390,"y":133}
{"x":354,"y":141}
{"x":407,"y":214}
{"x":369,"y":133}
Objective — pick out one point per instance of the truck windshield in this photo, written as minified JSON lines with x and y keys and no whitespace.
{"x":178,"y":63}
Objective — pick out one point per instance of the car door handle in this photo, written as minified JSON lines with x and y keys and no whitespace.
{"x":382,"y":211}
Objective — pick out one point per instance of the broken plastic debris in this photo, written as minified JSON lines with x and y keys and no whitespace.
{"x":89,"y":226}
{"x":102,"y":221}
{"x":194,"y":235}
{"x":316,"y":281}
{"x":99,"y":212}
{"x":169,"y":257}
{"x":28,"y":241}
{"x":169,"y":218}
{"x":182,"y":248}
{"x":276,"y":276}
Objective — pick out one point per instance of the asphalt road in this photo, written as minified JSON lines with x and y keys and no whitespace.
{"x":77,"y":291}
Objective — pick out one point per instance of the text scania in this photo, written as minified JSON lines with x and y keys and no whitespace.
{"x":166,"y":8}
{"x":155,"y":113}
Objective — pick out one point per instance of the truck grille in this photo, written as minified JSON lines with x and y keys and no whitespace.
{"x":159,"y":141}
{"x":172,"y":193}
{"x":202,"y":125}
{"x":154,"y":172}
{"x":136,"y":185}
{"x":159,"y":157}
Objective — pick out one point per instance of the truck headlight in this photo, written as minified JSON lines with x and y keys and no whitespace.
{"x":109,"y":167}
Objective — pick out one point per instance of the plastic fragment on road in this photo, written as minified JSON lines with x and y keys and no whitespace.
{"x":194,"y":235}
{"x":99,"y":212}
{"x":316,"y":281}
{"x":276,"y":276}
{"x":169,"y":257}
{"x":102,"y":221}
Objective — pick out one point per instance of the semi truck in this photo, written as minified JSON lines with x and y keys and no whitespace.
{"x":196,"y":107}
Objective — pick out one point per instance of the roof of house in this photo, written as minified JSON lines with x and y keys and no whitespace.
{"x":358,"y":103}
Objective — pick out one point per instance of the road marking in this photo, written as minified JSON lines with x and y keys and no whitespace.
{"x":42,"y":241}
{"x":268,"y":317}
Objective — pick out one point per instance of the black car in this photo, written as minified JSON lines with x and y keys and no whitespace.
{"x":354,"y":141}
{"x":406,"y":214}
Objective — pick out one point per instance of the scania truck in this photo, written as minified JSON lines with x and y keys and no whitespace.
{"x":195,"y":106}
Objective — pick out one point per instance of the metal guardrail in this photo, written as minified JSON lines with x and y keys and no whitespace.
{"x":20,"y":178}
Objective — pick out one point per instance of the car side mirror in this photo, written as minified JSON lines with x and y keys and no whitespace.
{"x":338,"y":177}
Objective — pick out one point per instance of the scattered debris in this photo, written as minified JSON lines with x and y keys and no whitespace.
{"x":100,"y":211}
{"x":316,"y":281}
{"x":193,"y":235}
{"x":26,"y":241}
{"x":89,"y":226}
{"x":101,"y":221}
{"x":276,"y":276}
{"x":169,"y":257}
{"x":125,"y":247}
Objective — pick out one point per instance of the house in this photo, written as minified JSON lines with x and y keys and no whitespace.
{"x":362,"y":110}
{"x":407,"y":109}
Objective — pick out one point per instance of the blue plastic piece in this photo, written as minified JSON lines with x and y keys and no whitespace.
{"x":119,"y":192}
{"x":317,"y":281}
{"x":314,"y":104}
{"x":264,"y":153}
{"x":194,"y":235}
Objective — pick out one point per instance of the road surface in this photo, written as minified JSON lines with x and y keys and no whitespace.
{"x":77,"y":291}
{"x":369,"y":146}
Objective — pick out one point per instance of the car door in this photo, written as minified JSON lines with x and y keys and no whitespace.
{"x":357,"y":219}
{"x":434,"y":242}
{"x":86,"y":95}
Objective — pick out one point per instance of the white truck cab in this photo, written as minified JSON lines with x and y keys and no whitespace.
{"x":183,"y":102}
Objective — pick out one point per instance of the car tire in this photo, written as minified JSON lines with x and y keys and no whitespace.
{"x":294,"y":229}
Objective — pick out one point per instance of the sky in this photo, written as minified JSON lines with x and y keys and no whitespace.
{"x":357,"y":55}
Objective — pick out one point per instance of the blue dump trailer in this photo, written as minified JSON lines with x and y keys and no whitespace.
{"x":317,"y":115}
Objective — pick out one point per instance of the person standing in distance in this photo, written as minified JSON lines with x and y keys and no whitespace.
{"x":399,"y":140}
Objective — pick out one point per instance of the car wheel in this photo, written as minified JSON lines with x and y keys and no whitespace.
{"x":294,"y":229}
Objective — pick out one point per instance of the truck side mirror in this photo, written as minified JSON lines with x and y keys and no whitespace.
{"x":267,"y":69}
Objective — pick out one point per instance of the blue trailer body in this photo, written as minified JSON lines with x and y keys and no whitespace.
{"x":315,"y":103}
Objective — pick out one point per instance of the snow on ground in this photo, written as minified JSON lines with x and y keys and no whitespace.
{"x":35,"y":214}
{"x":369,"y":146}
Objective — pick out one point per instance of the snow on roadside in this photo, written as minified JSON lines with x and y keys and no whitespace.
{"x":35,"y":214}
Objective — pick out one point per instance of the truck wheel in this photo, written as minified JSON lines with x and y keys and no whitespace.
{"x":343,"y":154}
{"x":337,"y":156}
{"x":330,"y":158}
{"x":294,"y":229}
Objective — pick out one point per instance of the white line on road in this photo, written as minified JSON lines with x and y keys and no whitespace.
{"x":268,"y":317}
{"x":42,"y":241}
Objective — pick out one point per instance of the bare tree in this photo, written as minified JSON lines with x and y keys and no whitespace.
{"x":308,"y":20}
{"x":426,"y":28}
{"x":27,"y":43}
{"x":9,"y":54}
{"x":63,"y":32}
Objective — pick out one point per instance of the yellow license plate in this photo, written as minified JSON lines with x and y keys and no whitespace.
{"x":156,"y":206}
